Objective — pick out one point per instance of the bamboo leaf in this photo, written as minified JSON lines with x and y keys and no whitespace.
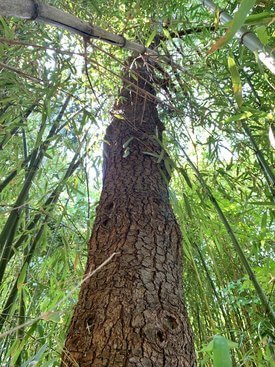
{"x":22,"y":276}
{"x":126,"y":152}
{"x":187,"y":205}
{"x":34,"y":359}
{"x":118,"y":116}
{"x":166,"y":33}
{"x":151,"y":154}
{"x":151,"y":38}
{"x":240,"y":116}
{"x":125,"y":145}
{"x":236,"y":80}
{"x":260,"y":18}
{"x":221,"y":352}
{"x":161,"y":156}
{"x":236,"y":23}
{"x":262,"y":34}
{"x":186,"y":177}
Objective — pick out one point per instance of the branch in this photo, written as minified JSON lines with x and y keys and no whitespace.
{"x":40,"y":12}
{"x":184,"y":32}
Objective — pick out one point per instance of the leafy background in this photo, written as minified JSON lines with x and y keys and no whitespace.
{"x":56,"y":96}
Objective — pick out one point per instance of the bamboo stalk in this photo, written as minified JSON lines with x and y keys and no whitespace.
{"x":14,"y":291}
{"x":24,"y":277}
{"x":45,"y":208}
{"x":38,"y":11}
{"x":267,"y":171}
{"x":49,"y":203}
{"x":265,"y":302}
{"x":215,"y":291}
{"x":14,"y":131}
{"x":43,"y":146}
{"x":8,"y":232}
{"x":246,"y":37}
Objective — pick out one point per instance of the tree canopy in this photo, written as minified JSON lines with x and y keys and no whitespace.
{"x":215,"y":100}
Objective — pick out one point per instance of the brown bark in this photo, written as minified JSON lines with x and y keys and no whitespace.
{"x":131,"y":312}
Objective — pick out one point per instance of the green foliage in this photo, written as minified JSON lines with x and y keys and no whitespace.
{"x":235,"y":24}
{"x":220,"y":347}
{"x":55,"y":102}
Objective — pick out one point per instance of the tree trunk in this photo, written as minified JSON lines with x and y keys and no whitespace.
{"x":131,"y":312}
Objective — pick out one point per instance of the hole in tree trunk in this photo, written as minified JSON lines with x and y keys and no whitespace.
{"x":105,"y":222}
{"x":109,"y":206}
{"x":160,"y":336}
{"x":89,"y":321}
{"x":170,"y":322}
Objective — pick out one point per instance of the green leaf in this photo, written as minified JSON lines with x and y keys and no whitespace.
{"x":126,"y":152}
{"x":168,"y":166}
{"x":187,"y":205}
{"x":264,"y":203}
{"x":264,"y":222}
{"x":186,"y":177}
{"x":150,"y":39}
{"x":221,"y":352}
{"x":125,"y":145}
{"x":161,"y":156}
{"x":236,"y":23}
{"x":239,"y":116}
{"x":22,"y":277}
{"x":262,"y":34}
{"x":166,"y":33}
{"x":34,"y":359}
{"x":7,"y":31}
{"x":260,"y":18}
{"x":118,"y":116}
{"x":236,"y":80}
{"x":151,"y":154}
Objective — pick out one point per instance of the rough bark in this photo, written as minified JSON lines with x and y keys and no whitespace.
{"x":131,"y":313}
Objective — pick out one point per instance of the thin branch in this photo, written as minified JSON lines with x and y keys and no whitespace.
{"x":45,"y":48}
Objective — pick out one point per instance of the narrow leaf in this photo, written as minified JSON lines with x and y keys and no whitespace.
{"x":161,"y":156}
{"x":187,"y":205}
{"x":236,"y":23}
{"x":118,"y":116}
{"x":126,"y":152}
{"x":260,"y":18}
{"x":125,"y":145}
{"x":166,"y":33}
{"x":186,"y":177}
{"x":236,"y":80}
{"x":151,"y":37}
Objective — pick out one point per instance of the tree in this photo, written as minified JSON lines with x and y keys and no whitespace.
{"x":56,"y":93}
{"x":131,"y":312}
